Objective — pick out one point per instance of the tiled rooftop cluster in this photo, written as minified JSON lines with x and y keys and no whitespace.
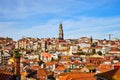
{"x":60,"y":59}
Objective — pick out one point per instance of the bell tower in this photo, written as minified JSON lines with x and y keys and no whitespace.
{"x":61,"y":32}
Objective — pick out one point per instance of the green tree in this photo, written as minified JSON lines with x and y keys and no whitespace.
{"x":79,"y":53}
{"x":52,"y":59}
{"x":99,"y":52}
{"x":16,"y":53}
{"x":93,"y":51}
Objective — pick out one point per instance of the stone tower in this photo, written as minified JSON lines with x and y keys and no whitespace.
{"x":61,"y":32}
{"x":17,"y":68}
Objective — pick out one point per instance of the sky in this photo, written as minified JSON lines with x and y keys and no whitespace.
{"x":41,"y":18}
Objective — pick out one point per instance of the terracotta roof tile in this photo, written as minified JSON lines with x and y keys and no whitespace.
{"x":111,"y":75}
{"x":104,"y":67}
{"x":60,"y":68}
{"x":117,"y":64}
{"x":49,"y":63}
{"x":77,"y":76}
{"x":45,"y":54}
{"x":35,"y":67}
{"x":41,"y":72}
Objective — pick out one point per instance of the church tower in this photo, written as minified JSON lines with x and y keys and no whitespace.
{"x":61,"y":32}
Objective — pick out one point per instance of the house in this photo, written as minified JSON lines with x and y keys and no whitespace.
{"x":64,"y":59}
{"x":55,"y":56}
{"x":114,"y":52}
{"x":73,"y":49}
{"x":62,"y":45}
{"x":59,"y":69}
{"x":105,"y":49}
{"x":34,"y":72}
{"x":63,"y":52}
{"x":76,"y":64}
{"x":46,"y":56}
{"x":75,"y":57}
{"x":84,"y":39}
{"x":95,"y":59}
{"x":5,"y":58}
{"x":86,"y":49}
{"x":11,"y":72}
{"x":83,"y":45}
{"x":98,"y":48}
{"x":41,"y":73}
{"x":117,"y":65}
{"x":50,"y":66}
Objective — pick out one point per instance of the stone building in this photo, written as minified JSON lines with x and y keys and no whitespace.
{"x":61,"y":35}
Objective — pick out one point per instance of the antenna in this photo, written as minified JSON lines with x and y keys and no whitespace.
{"x":110,"y":36}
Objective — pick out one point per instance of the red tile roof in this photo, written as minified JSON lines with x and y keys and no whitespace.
{"x":45,"y":54}
{"x":60,"y":67}
{"x":41,"y":72}
{"x":50,"y":63}
{"x":77,"y":76}
{"x":117,"y":65}
{"x":35,"y":67}
{"x":110,"y":75}
{"x":104,"y":67}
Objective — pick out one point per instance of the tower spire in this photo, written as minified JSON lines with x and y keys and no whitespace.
{"x":61,"y":32}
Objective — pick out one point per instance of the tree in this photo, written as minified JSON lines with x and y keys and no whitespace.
{"x":93,"y":51}
{"x":79,"y":53}
{"x":99,"y":52}
{"x":52,"y":59}
{"x":91,"y":40}
{"x":16,"y":53}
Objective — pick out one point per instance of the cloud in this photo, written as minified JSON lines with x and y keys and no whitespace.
{"x":25,"y":8}
{"x":41,"y":18}
{"x":84,"y":26}
{"x":89,"y":26}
